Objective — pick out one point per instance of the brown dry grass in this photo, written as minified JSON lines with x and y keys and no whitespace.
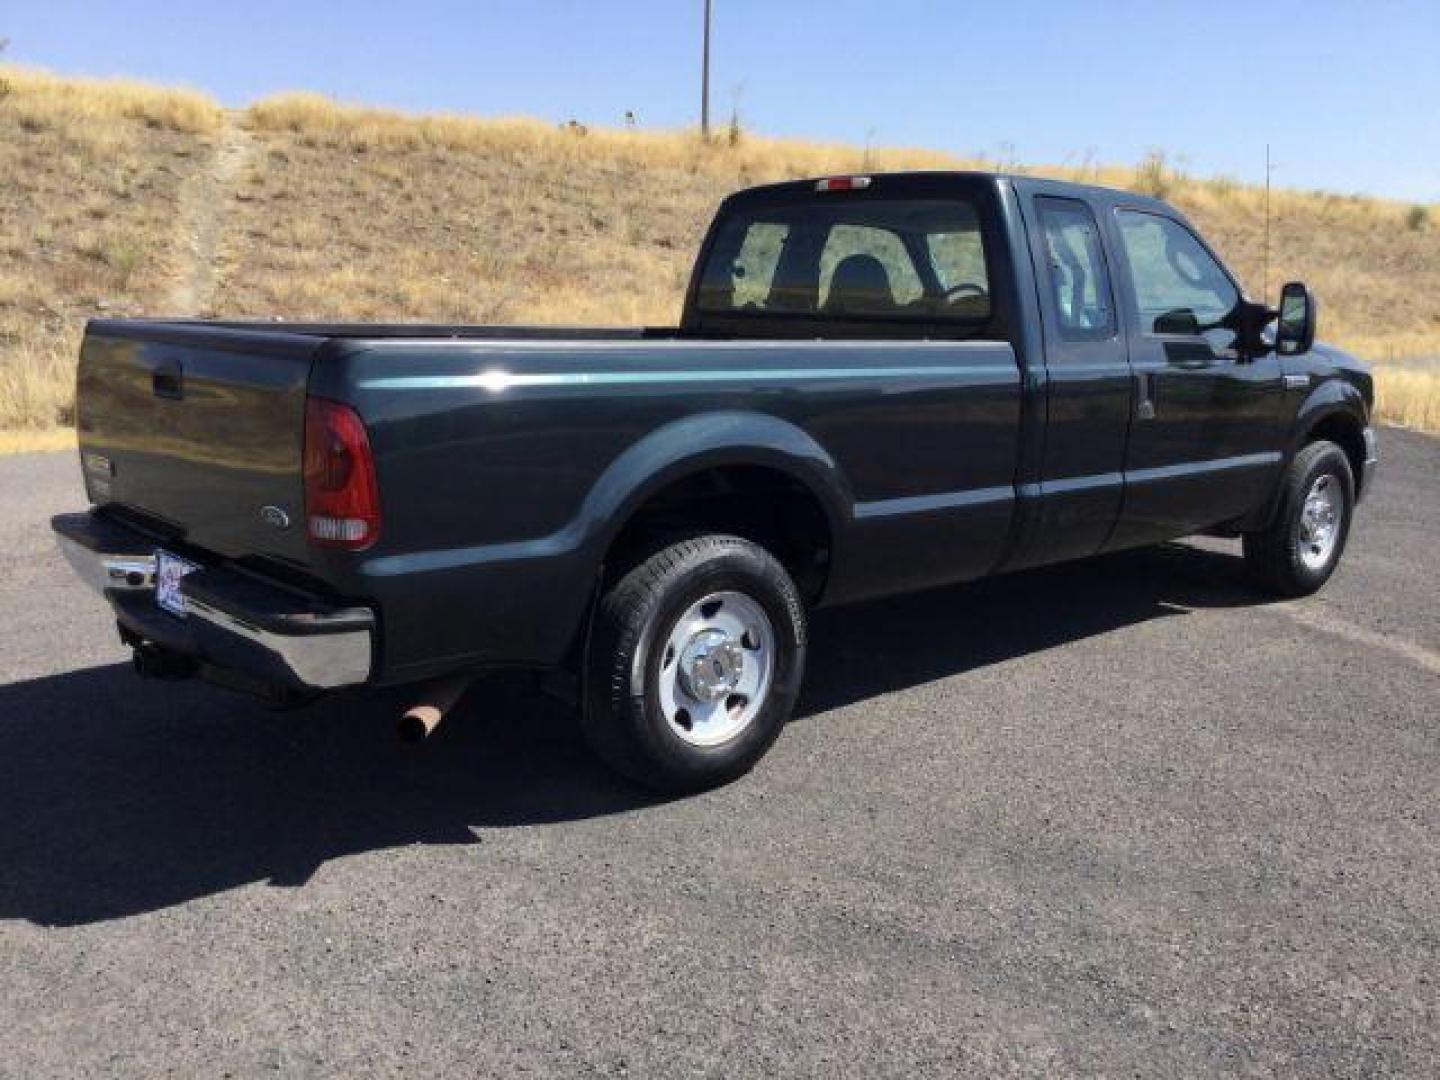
{"x":355,"y":214}
{"x":32,"y":441}
{"x":89,"y":176}
{"x":1407,"y":397}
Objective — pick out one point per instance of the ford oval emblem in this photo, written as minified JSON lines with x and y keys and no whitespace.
{"x":275,"y":517}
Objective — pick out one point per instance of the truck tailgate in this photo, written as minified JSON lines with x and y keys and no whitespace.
{"x":200,"y":429}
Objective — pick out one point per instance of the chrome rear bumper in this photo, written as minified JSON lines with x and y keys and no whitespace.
{"x":234,"y":621}
{"x":105,"y":572}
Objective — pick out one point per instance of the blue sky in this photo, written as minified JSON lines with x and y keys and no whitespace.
{"x":1347,"y":92}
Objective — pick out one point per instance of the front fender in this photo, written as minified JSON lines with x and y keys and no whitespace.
{"x":1327,"y":399}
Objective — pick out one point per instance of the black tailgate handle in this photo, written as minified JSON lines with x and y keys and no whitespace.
{"x":168,"y":380}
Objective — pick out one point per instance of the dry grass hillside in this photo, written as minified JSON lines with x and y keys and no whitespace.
{"x":90,"y":175}
{"x":124,"y":199}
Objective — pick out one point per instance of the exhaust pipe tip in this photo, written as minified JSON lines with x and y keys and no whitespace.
{"x":419,"y":722}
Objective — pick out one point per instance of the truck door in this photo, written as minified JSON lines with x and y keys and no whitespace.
{"x":1088,"y":383}
{"x":1206,"y":423}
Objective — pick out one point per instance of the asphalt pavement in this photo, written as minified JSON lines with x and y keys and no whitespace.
{"x":1123,"y":816}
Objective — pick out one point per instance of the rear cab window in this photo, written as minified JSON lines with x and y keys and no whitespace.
{"x":822,"y":261}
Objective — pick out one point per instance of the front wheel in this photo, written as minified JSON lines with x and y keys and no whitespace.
{"x":1300,"y":549}
{"x":694,"y":664}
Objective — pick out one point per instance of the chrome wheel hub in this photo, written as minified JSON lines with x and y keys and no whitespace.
{"x":1321,"y":516}
{"x":711,"y":665}
{"x":717,"y":668}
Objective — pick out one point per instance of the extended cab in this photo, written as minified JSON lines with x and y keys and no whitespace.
{"x":878,"y":384}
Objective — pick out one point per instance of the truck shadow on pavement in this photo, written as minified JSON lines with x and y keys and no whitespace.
{"x":862,"y":651}
{"x":119,"y":797}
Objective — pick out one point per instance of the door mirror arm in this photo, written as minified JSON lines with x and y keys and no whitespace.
{"x":1249,"y":320}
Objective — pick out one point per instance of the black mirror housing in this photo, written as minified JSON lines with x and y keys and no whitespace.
{"x":1295,"y":331}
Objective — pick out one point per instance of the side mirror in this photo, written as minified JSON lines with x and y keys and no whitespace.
{"x":1295,"y":332}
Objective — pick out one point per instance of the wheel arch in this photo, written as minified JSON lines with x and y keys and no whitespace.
{"x":1346,"y":431}
{"x":1334,"y":411}
{"x":719,"y":468}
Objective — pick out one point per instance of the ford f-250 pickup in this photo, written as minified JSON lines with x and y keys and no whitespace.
{"x":879,"y":384}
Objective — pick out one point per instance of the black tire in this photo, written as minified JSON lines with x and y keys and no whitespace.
{"x":622,"y":716}
{"x":1275,"y":556}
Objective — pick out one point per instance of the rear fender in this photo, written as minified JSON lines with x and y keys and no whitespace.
{"x":698,"y":443}
{"x":542,"y":589}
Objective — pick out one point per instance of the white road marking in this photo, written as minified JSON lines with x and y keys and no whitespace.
{"x":1318,"y":619}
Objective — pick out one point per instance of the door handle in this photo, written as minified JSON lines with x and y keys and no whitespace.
{"x":168,"y":381}
{"x":1144,"y":395}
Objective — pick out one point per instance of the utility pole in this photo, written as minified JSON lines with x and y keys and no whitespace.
{"x":705,"y":79}
{"x":1265,"y":264}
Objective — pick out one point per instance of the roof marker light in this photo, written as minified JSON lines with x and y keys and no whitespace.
{"x":843,"y":183}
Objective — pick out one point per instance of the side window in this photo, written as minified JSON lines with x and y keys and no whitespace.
{"x":1179,"y":287}
{"x":855,"y":251}
{"x":1075,"y":264}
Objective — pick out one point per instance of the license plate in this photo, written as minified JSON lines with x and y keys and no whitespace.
{"x":169,"y":571}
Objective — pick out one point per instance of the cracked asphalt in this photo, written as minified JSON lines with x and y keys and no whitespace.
{"x":1115,"y":817}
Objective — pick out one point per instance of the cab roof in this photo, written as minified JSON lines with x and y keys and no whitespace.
{"x":935,"y":182}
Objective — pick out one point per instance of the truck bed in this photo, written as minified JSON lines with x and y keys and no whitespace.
{"x":198,"y":423}
{"x":508,"y":457}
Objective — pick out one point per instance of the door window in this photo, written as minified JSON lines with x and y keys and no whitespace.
{"x":1075,"y":265}
{"x":1179,"y":287}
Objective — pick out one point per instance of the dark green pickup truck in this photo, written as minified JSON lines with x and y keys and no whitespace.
{"x":880,"y":383}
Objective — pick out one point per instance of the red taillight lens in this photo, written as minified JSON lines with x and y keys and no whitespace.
{"x":342,"y":499}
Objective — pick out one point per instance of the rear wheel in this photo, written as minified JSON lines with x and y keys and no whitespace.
{"x":1300,"y":549}
{"x":695,"y":663}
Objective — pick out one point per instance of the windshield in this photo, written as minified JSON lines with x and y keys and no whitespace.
{"x":915,"y":259}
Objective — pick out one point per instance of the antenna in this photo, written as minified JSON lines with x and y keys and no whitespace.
{"x":1265,"y":259}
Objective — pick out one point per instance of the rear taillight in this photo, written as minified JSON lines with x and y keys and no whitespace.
{"x":342,"y":499}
